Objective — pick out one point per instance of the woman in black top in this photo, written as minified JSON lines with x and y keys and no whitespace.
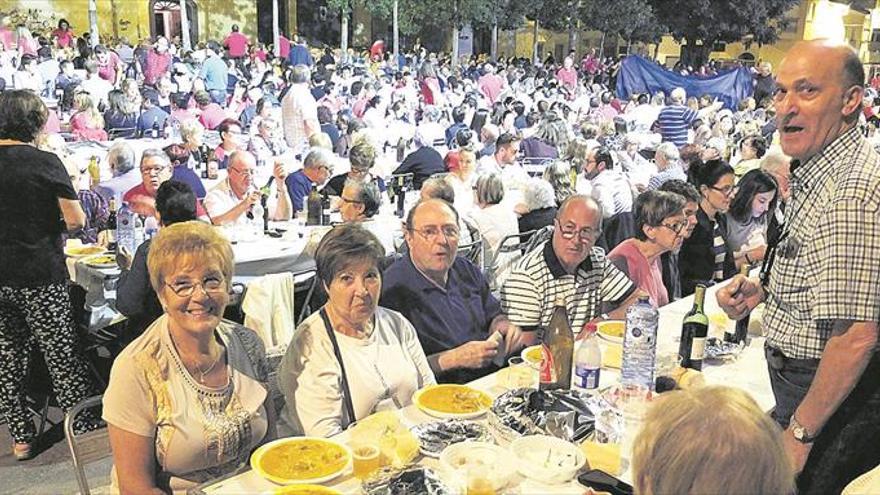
{"x":705,"y":256}
{"x":121,"y":119}
{"x":35,"y":195}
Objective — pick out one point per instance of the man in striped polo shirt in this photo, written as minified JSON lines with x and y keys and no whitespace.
{"x":568,"y":265}
{"x":674,"y":119}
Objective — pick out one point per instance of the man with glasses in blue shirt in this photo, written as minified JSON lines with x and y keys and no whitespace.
{"x":571,"y":266}
{"x":459,"y":322}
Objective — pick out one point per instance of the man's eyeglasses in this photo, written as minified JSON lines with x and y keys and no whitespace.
{"x":433,"y":233}
{"x":359,"y":172}
{"x":211,"y":286}
{"x":676,"y":228}
{"x":584,"y":234}
{"x":153,"y":170}
{"x":246,"y":173}
{"x":346,"y":200}
{"x":726,"y":190}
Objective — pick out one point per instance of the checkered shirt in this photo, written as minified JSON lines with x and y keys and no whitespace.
{"x":827,"y":265}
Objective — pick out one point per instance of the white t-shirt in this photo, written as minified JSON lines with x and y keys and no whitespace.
{"x":384,"y":371}
{"x":221,"y":199}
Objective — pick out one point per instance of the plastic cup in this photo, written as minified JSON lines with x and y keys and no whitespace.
{"x":365,"y":460}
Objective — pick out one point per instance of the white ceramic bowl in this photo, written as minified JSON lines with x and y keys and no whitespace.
{"x":547,"y":459}
{"x":457,"y":459}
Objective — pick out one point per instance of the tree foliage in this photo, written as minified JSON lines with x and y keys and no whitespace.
{"x":633,"y":20}
{"x":723,"y":20}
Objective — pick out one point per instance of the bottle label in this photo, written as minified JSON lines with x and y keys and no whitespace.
{"x":548,"y":368}
{"x":697,"y":348}
{"x":586,"y":377}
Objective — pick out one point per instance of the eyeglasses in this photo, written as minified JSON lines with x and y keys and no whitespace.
{"x":584,"y":234}
{"x":360,"y":172}
{"x":726,"y":190}
{"x":246,"y":173}
{"x":186,"y":288}
{"x":433,"y":233}
{"x":346,"y":200}
{"x":153,"y":170}
{"x":676,"y":228}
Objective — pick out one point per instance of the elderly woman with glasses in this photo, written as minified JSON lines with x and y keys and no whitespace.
{"x":660,"y":227}
{"x":268,"y":142}
{"x":705,"y":256}
{"x":351,"y":358}
{"x":155,"y":168}
{"x":187,"y":400}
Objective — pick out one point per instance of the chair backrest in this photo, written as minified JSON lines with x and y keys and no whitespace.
{"x":540,"y":235}
{"x":472,"y":252}
{"x":305,"y":281}
{"x":510,"y":250}
{"x":535,"y":166}
{"x":620,"y":227}
{"x":85,"y":448}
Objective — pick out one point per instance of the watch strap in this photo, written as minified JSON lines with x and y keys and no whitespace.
{"x":801,"y":434}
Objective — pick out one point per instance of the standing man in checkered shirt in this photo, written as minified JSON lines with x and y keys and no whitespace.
{"x":822,"y":275}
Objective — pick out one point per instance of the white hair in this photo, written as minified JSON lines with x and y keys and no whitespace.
{"x":538,"y":193}
{"x":678,"y":95}
{"x":669,"y":150}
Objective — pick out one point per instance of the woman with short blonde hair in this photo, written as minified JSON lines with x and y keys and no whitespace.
{"x":187,"y":400}
{"x":710,"y":440}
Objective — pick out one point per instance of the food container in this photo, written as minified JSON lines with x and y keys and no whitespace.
{"x":611,"y":330}
{"x":561,"y":413}
{"x":487,"y":462}
{"x":435,"y":437}
{"x":547,"y":459}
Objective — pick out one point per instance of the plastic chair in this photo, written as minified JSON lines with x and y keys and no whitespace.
{"x":88,"y":447}
{"x":509,"y":252}
{"x":535,"y":166}
{"x":472,"y":252}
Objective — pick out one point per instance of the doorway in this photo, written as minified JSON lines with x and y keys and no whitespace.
{"x":165,"y":19}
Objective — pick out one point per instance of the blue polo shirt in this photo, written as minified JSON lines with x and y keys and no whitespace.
{"x":444,"y":318}
{"x":299,"y":186}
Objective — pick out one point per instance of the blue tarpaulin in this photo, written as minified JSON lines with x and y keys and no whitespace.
{"x":640,"y":75}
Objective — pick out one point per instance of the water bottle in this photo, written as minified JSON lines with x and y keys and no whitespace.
{"x":588,"y":360}
{"x":640,"y":345}
{"x":150,"y":227}
{"x":125,"y":228}
{"x":139,"y":233}
{"x":256,"y":222}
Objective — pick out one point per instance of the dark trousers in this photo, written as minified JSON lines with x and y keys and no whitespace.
{"x":849,"y":444}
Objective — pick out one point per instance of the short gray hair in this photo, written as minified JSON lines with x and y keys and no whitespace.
{"x":669,"y":150}
{"x":558,"y":175}
{"x":155,"y":153}
{"x":489,"y":189}
{"x":121,"y":157}
{"x":367,"y":193}
{"x":678,"y":95}
{"x":652,"y":207}
{"x":189,"y":127}
{"x":300,"y":74}
{"x":538,"y":193}
{"x":440,"y":188}
{"x":317,"y":158}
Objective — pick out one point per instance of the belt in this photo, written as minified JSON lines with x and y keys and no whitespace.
{"x":778,"y":360}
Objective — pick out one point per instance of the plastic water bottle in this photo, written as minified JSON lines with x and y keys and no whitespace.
{"x":150,"y":227}
{"x":256,"y":223}
{"x":139,"y":233}
{"x":588,"y":360}
{"x":125,"y":228}
{"x":640,"y":345}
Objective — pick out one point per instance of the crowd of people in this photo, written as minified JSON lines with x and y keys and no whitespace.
{"x":625,"y":197}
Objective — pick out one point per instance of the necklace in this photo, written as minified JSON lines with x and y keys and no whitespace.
{"x":202,"y":373}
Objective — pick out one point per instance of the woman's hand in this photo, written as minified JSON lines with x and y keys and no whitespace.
{"x":123,"y":258}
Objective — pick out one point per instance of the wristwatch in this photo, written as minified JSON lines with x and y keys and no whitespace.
{"x":800,"y":432}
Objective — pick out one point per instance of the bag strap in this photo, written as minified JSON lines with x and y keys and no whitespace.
{"x":346,"y":391}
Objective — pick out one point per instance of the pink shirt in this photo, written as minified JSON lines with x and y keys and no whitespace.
{"x":237,"y":44}
{"x":107,"y":71}
{"x":647,"y":276}
{"x":490,"y":86}
{"x":156,"y":65}
{"x":211,"y":116}
{"x":64,"y":38}
{"x":568,"y":77}
{"x":283,"y":46}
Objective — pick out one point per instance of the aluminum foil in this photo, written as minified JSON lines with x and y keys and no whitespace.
{"x":411,"y":480}
{"x":718,"y":349}
{"x":563,"y":414}
{"x":436,"y":436}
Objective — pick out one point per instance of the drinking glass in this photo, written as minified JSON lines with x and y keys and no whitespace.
{"x":366,"y":458}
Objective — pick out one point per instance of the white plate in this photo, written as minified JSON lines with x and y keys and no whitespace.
{"x":258,"y":454}
{"x":93,"y":261}
{"x":444,"y":415}
{"x":526,"y":351}
{"x":458,"y":458}
{"x":71,"y":252}
{"x":533,"y":451}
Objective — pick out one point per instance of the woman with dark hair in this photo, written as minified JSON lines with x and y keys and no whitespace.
{"x":63,"y":36}
{"x":328,"y":127}
{"x":353,"y":357}
{"x":749,"y":216}
{"x":751,"y":150}
{"x":120,"y":120}
{"x":705,"y":256}
{"x":180,"y":155}
{"x":35,"y":309}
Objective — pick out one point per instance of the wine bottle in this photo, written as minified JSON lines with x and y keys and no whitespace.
{"x":203,"y":157}
{"x":694,"y":329}
{"x":741,"y":330}
{"x":111,"y":227}
{"x":313,"y":207}
{"x":557,"y":344}
{"x":154,"y":130}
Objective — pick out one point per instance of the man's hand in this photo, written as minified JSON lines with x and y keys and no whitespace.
{"x":797,"y":452}
{"x":123,"y":258}
{"x":475,"y":354}
{"x":251,"y":199}
{"x":279,"y":172}
{"x":739,"y":297}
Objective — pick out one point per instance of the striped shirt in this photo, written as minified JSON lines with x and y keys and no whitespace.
{"x":719,"y":250}
{"x":674,"y":121}
{"x":669,"y":173}
{"x":529,"y":294}
{"x":827,"y":263}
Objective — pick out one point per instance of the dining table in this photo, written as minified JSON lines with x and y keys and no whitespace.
{"x":747,"y":371}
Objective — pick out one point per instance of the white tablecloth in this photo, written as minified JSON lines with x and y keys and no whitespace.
{"x":748,"y":373}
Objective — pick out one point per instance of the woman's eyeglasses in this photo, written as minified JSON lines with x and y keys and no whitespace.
{"x":726,"y":190}
{"x":676,"y":228}
{"x":186,"y":288}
